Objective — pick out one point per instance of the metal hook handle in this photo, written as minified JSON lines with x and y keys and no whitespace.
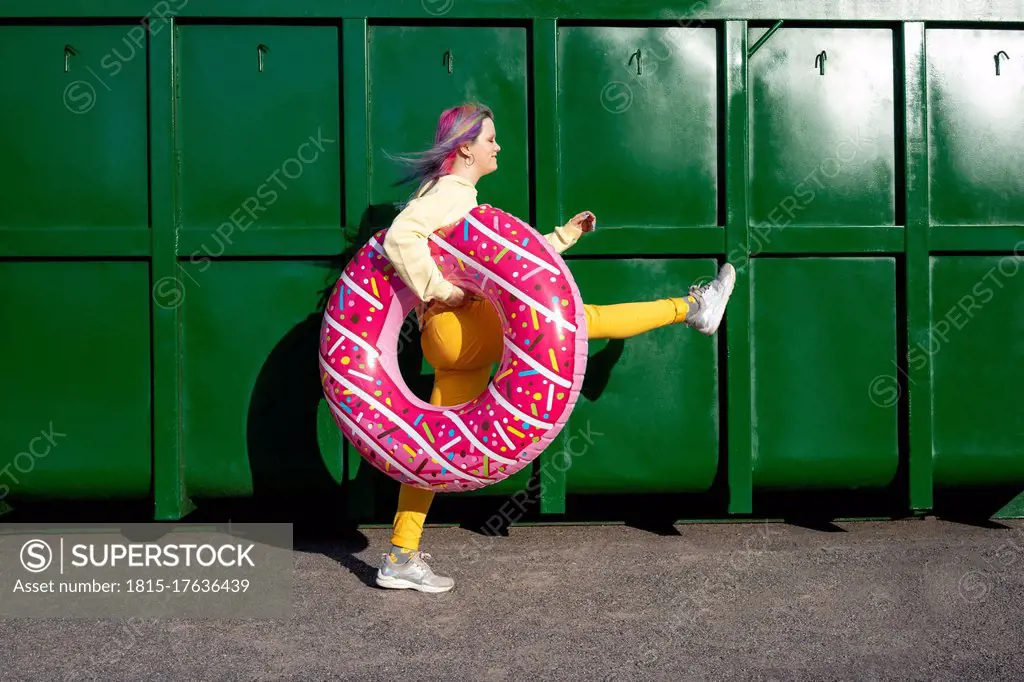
{"x":639,"y":65}
{"x":997,"y":59}
{"x":819,"y":61}
{"x":449,"y":60}
{"x":261,"y":50}
{"x":68,"y":52}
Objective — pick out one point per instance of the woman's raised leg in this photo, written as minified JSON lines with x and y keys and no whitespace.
{"x":702,"y":309}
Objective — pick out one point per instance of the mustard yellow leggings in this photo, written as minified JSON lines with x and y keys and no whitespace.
{"x":462,"y":344}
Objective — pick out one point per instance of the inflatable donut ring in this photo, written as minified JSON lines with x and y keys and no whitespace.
{"x":534,"y":389}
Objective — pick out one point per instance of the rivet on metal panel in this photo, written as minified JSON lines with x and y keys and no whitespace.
{"x":997,"y":59}
{"x":261,"y":50}
{"x":819,"y":61}
{"x":448,"y":59}
{"x":68,"y":51}
{"x":639,"y":67}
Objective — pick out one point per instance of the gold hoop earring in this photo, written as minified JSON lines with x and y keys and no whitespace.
{"x":469,"y":162}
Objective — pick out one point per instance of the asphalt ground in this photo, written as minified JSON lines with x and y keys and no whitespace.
{"x":905,"y":600}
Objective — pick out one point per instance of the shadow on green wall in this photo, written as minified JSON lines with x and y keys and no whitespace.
{"x":286,"y":453}
{"x":295,"y":458}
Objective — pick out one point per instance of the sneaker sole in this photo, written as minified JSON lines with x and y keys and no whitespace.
{"x":400,"y":584}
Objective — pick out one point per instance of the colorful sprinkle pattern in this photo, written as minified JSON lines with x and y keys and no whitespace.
{"x":536,"y":385}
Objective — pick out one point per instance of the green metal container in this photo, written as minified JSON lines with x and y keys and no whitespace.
{"x":179,"y":196}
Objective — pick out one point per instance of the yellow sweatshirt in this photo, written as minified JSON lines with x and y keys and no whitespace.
{"x":405,"y":243}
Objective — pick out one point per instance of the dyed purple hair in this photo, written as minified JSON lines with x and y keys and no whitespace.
{"x":457,"y":126}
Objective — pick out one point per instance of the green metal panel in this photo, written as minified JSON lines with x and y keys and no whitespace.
{"x":722,"y":130}
{"x":973,"y":350}
{"x":655,"y":136}
{"x":355,"y":101}
{"x":170,"y":499}
{"x":265,"y":123}
{"x":249,"y":397}
{"x":647,"y":419}
{"x":738,"y":407}
{"x":824,"y":329}
{"x":73,"y":127}
{"x":545,"y":60}
{"x":975,"y":130}
{"x":822,"y":127}
{"x":418,"y":71}
{"x":918,"y":284}
{"x":75,"y":363}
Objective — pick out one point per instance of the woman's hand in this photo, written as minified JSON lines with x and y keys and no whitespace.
{"x":456,"y":298}
{"x":585,"y":221}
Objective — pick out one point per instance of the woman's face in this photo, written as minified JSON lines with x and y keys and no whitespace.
{"x":484,"y":150}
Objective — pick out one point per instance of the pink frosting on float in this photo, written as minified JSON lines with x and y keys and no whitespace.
{"x":463,"y":447}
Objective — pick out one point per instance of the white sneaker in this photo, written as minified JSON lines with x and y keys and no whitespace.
{"x":711,"y":300}
{"x":414,"y":574}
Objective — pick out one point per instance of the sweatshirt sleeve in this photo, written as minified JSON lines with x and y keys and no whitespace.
{"x":563,"y":237}
{"x":406,"y":246}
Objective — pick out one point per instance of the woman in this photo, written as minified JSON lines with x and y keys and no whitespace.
{"x":461,"y":333}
